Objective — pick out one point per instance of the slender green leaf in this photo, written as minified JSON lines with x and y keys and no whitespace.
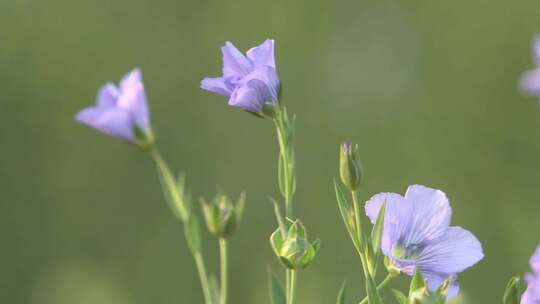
{"x":277,"y":294}
{"x":373,"y":294}
{"x":170,"y":187}
{"x":376,"y":233}
{"x":279,"y":219}
{"x":346,"y":213}
{"x":417,"y":282}
{"x":341,"y":294}
{"x":193,"y":234}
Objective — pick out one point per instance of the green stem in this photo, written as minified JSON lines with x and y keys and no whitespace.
{"x":380,"y":287}
{"x":359,"y":230}
{"x":201,"y":269}
{"x":223,"y":271}
{"x":287,"y":158}
{"x":292,"y":291}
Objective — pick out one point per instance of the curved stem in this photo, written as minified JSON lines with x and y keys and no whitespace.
{"x":380,"y":287}
{"x":201,"y":269}
{"x":223,"y":271}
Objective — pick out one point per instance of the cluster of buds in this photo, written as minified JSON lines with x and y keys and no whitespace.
{"x":222,"y":216}
{"x":292,"y":247}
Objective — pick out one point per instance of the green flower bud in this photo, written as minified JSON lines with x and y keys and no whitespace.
{"x":222,"y":216}
{"x":350,"y":168}
{"x":293,"y":249}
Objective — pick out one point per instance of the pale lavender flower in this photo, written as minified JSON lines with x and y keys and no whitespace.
{"x":417,"y":234}
{"x":122,"y":111}
{"x":532,"y":294}
{"x":530,"y":80}
{"x":248,"y":81}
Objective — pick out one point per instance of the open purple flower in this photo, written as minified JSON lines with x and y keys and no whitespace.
{"x":532,"y":294}
{"x":530,"y":80}
{"x":248,"y":81}
{"x":122,"y":111}
{"x":417,"y":234}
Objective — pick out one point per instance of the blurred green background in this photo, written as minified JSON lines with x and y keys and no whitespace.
{"x":426,"y":88}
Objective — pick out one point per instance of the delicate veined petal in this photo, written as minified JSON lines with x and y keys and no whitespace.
{"x":263,"y":54}
{"x":532,"y":294}
{"x":431,"y":214}
{"x":256,"y":89}
{"x":216,"y":85}
{"x":235,"y":64}
{"x":530,"y":82}
{"x":396,"y":220}
{"x":456,"y":251}
{"x":416,"y":234}
{"x":114,"y":122}
{"x":107,"y":95}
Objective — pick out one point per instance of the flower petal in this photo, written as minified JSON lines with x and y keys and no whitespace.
{"x":107,"y":96}
{"x":133,"y":99}
{"x":235,"y":64}
{"x":115,"y":122}
{"x":454,"y":252}
{"x":535,"y":261}
{"x":263,"y":54}
{"x":536,"y":50}
{"x":396,"y":220}
{"x":255,"y":89}
{"x":530,"y":82}
{"x":216,"y":85}
{"x":431,"y":214}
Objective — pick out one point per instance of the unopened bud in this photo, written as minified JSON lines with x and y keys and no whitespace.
{"x":350,"y":168}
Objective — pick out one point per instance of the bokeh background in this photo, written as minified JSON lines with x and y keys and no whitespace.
{"x":426,"y":88}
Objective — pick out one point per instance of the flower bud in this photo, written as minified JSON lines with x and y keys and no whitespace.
{"x":293,"y":249}
{"x":350,"y":168}
{"x":222,"y":216}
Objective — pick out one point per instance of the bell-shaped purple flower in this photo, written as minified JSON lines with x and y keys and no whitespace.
{"x":417,"y":234}
{"x":121,"y":111}
{"x":248,"y":81}
{"x":530,"y":80}
{"x":532,"y":294}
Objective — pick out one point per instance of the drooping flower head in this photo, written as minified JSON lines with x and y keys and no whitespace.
{"x":248,"y":81}
{"x":530,"y":80}
{"x":417,"y":234}
{"x":532,"y":294}
{"x":121,"y":111}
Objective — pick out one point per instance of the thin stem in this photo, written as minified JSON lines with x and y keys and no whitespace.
{"x":223,"y":271}
{"x":201,"y":269}
{"x":358,"y":222}
{"x":380,"y":287}
{"x":287,"y":159}
{"x":292,"y":291}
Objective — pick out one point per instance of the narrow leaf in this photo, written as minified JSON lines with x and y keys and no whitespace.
{"x":376,"y":233}
{"x":346,"y":213}
{"x":373,"y":294}
{"x":277,"y":294}
{"x":279,"y":219}
{"x":417,"y":281}
{"x":193,"y":234}
{"x":341,"y":295}
{"x":170,"y":188}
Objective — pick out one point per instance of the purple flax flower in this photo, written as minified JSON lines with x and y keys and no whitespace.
{"x":248,"y":81}
{"x":532,"y":294}
{"x":530,"y":80}
{"x":417,"y":233}
{"x":121,"y":112}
